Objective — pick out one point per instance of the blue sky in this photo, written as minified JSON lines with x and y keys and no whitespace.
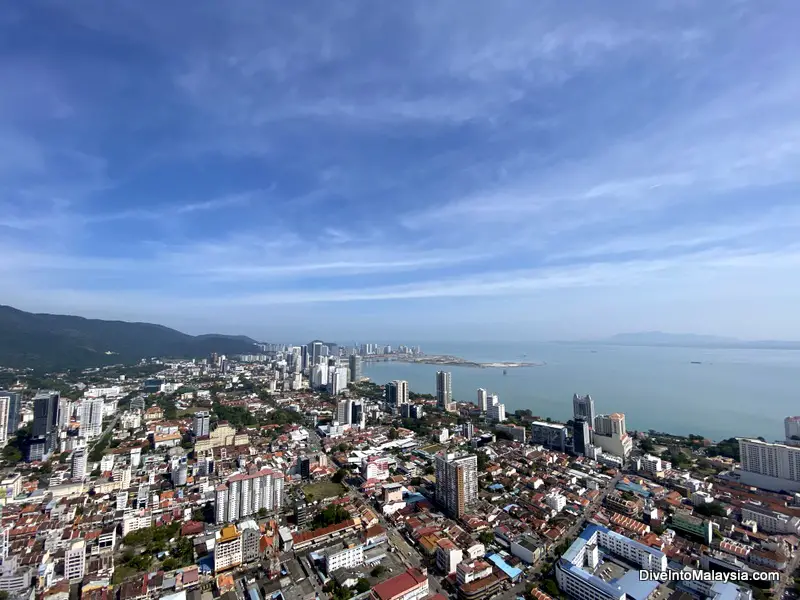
{"x":415,"y":170}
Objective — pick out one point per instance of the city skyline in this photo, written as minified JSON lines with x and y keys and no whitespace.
{"x":542,"y":172}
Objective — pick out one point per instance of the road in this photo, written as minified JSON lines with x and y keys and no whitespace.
{"x":572,"y":532}
{"x":407,"y":554}
{"x":108,"y":428}
{"x":786,"y":576}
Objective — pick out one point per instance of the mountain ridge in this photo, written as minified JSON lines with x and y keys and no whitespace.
{"x":50,"y":341}
{"x":694,"y":340}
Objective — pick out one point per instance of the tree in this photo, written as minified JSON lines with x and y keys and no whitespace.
{"x":362,"y":585}
{"x":339,"y":476}
{"x":393,"y":435}
{"x":378,"y":571}
{"x":550,"y":587}
{"x":486,"y":537}
{"x":262,"y":512}
{"x":483,"y":460}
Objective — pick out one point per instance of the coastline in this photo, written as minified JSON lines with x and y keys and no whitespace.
{"x":455,"y":361}
{"x":619,"y":379}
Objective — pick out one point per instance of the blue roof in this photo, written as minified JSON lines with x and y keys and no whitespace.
{"x":496,"y":486}
{"x":629,"y":486}
{"x":634,"y":587}
{"x":414,"y":498}
{"x":253,"y":593}
{"x":509,"y":507}
{"x":506,"y":568}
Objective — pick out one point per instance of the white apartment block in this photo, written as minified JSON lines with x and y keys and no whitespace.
{"x":79,"y":460}
{"x":374,"y":467}
{"x":135,"y":520}
{"x":245,"y":494}
{"x":448,"y":557}
{"x":75,"y":561}
{"x":483,"y":399}
{"x":770,"y":521}
{"x":348,"y":557}
{"x":227,"y":549}
{"x":770,"y":466}
{"x":91,"y":418}
{"x":497,"y":412}
{"x":555,"y":501}
{"x":574,"y":570}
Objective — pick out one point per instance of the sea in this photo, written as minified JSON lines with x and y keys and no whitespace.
{"x":730,"y":393}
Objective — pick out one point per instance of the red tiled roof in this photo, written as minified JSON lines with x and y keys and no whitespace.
{"x":399,"y":585}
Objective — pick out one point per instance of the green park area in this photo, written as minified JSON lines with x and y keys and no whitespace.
{"x":323,"y":490}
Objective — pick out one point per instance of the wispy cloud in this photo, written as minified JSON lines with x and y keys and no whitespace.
{"x":246,"y":154}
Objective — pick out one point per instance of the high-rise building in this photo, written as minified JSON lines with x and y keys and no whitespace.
{"x":482,"y":399}
{"x":549,"y":435}
{"x":580,"y":435}
{"x":397,"y":392}
{"x":304,"y":467}
{"x":444,"y":391}
{"x":337,"y":380}
{"x":44,"y":439}
{"x":610,"y":435}
{"x":91,"y":418}
{"x":456,"y":482}
{"x":315,"y":352}
{"x":79,"y":459}
{"x":201,"y":423}
{"x":3,"y":421}
{"x":469,"y":430}
{"x":245,"y":494}
{"x":75,"y":560}
{"x":355,"y":368}
{"x":583,"y":406}
{"x":791,"y":426}
{"x":358,"y":418}
{"x":13,"y":401}
{"x":493,"y":400}
{"x":497,"y":412}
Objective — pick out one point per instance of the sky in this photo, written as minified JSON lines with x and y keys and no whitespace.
{"x":406,"y":171}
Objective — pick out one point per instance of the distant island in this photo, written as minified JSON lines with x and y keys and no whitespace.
{"x":691,"y":340}
{"x":447,"y":360}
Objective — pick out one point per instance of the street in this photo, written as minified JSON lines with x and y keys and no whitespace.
{"x":572,"y":532}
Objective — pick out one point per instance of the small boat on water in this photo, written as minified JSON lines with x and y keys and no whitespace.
{"x":696,"y":362}
{"x":505,"y":372}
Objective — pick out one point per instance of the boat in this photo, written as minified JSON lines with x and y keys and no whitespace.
{"x":696,"y":362}
{"x":505,"y":372}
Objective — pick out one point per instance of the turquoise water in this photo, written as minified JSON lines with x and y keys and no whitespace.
{"x":732,"y":393}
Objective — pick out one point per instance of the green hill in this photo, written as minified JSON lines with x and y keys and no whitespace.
{"x":43,"y":341}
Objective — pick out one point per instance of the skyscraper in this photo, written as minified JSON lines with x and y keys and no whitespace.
{"x":344,"y":412}
{"x":3,"y":421}
{"x":444,"y":391}
{"x":791,"y":427}
{"x":456,"y":482}
{"x":13,"y":402}
{"x":497,"y":412}
{"x":91,"y":418}
{"x":315,"y":352}
{"x":583,"y":406}
{"x":610,"y":434}
{"x":580,"y":435}
{"x":397,"y":392}
{"x":79,"y":458}
{"x":355,"y":368}
{"x":482,"y":399}
{"x":44,"y":437}
{"x":304,"y":467}
{"x":201,"y":423}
